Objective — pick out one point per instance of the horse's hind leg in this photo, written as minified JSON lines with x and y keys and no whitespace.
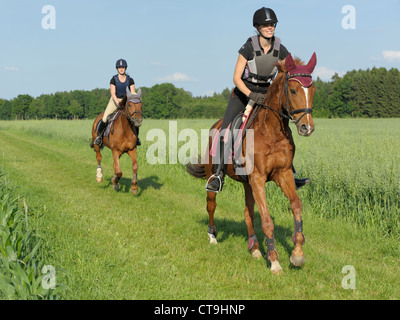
{"x":135,"y":166}
{"x":287,"y":185}
{"x":211,"y":205}
{"x":117,"y":170}
{"x":253,"y":244}
{"x":99,"y":175}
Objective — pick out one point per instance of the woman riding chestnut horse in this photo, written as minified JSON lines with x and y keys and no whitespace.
{"x":288,"y":98}
{"x":125,"y":111}
{"x":255,"y":68}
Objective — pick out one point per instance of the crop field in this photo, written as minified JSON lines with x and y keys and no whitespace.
{"x":105,"y":244}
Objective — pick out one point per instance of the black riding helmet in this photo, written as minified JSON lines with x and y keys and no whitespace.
{"x":264,"y":16}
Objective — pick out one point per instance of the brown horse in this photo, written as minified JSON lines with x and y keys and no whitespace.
{"x":289,"y":98}
{"x":122,"y":138}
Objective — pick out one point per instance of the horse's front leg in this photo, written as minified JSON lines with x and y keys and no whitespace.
{"x":99,"y":174}
{"x":117,"y":169}
{"x":258,"y":186}
{"x":286,"y":182}
{"x":135,"y":166}
{"x":253,"y":244}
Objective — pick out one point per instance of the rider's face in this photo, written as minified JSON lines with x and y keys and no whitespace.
{"x":121,"y":70}
{"x":267,"y":30}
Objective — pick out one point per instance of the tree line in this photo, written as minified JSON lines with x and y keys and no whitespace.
{"x":364,"y":93}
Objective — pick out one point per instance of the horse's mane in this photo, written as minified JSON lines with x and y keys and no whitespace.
{"x":282,"y":66}
{"x":122,"y":103}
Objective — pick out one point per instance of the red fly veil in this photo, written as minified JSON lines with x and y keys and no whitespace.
{"x":301,"y":74}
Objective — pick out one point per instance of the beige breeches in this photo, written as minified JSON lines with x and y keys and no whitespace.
{"x":111,"y":107}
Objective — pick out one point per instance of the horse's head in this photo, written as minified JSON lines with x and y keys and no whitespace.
{"x":299,"y":91}
{"x":133,"y":107}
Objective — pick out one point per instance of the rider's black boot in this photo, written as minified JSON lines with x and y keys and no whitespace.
{"x":100,"y":130}
{"x":138,"y":142}
{"x":300,"y":182}
{"x":218,"y":178}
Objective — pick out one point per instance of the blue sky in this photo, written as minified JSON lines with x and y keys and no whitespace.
{"x":192,"y":44}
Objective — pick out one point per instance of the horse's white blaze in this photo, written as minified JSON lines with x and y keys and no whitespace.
{"x":307,"y":106}
{"x":307,"y":103}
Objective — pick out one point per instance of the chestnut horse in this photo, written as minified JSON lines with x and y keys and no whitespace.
{"x":289,"y":98}
{"x":122,"y":138}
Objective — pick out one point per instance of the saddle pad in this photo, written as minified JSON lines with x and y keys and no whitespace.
{"x":110,"y":121}
{"x":237,"y":129}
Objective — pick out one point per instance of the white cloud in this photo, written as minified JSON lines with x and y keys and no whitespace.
{"x":176,"y":77}
{"x":324,"y":73}
{"x":12,"y":69}
{"x":391,"y":56}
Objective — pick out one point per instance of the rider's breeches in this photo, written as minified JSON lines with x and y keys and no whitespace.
{"x":111,"y":107}
{"x":237,"y":103}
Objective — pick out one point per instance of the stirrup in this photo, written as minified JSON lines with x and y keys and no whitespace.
{"x":99,"y":140}
{"x":220,"y":183}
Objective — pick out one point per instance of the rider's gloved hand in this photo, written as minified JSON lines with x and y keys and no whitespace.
{"x":257,"y":97}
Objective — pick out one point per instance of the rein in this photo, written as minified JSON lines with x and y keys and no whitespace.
{"x":289,"y":108}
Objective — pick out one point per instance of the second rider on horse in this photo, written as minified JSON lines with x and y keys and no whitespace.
{"x":118,"y":85}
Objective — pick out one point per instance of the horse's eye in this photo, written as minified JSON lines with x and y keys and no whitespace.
{"x":293,"y":91}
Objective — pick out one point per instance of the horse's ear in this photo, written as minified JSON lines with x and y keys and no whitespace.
{"x":139,"y":92}
{"x":128,"y":92}
{"x":312,"y":63}
{"x":290,"y":65}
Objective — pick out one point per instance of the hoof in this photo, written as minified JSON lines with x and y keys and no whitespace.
{"x":134,"y":191}
{"x":212,"y":238}
{"x":99,"y":179}
{"x":116,"y":187}
{"x":276,"y":268}
{"x":297,"y":261}
{"x":256,"y":254}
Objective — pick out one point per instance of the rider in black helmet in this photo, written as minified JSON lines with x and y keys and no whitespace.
{"x":264,"y":16}
{"x":254,"y":71}
{"x":118,"y":85}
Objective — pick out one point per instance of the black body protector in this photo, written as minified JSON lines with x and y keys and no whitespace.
{"x":262,"y":69}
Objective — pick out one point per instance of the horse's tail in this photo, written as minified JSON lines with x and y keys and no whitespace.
{"x":196,"y":170}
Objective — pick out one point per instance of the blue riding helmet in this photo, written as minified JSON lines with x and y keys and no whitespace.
{"x":121,"y":63}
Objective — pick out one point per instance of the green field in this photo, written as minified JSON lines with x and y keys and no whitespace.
{"x":105,"y":244}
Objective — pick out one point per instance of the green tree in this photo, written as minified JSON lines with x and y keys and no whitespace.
{"x":20,"y":106}
{"x":5,"y":109}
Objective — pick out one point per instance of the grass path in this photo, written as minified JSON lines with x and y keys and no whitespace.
{"x":112,"y":245}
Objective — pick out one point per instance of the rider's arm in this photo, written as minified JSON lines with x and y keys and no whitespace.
{"x":237,"y":75}
{"x":132,"y":86}
{"x":113,"y":93}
